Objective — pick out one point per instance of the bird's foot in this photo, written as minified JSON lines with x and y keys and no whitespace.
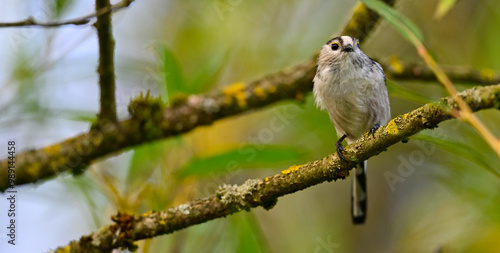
{"x":374,"y":129}
{"x":340,"y":148}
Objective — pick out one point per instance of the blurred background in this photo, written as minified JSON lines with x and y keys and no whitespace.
{"x":439,"y":192}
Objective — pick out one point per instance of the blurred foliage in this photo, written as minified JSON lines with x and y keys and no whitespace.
{"x":462,"y":215}
{"x":177,"y":84}
{"x":25,"y":104}
{"x":478,"y":155}
{"x":145,"y":160}
{"x":60,"y":6}
{"x":444,"y":7}
{"x":400,"y":91}
{"x":82,"y":116}
{"x":232,"y":160}
{"x":404,"y":26}
{"x":87,"y":188}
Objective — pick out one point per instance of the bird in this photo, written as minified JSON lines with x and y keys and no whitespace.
{"x":352,"y":87}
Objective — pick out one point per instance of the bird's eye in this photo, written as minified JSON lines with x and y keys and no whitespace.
{"x":335,"y":46}
{"x":358,"y":45}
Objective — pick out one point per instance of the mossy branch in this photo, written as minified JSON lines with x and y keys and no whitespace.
{"x":151,"y":120}
{"x":30,"y":21}
{"x":229,"y":199}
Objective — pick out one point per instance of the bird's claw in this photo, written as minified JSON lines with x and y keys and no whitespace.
{"x":374,"y":129}
{"x":340,"y":148}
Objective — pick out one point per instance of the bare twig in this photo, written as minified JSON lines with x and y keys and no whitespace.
{"x":229,"y":199}
{"x":106,"y":67}
{"x":30,"y":21}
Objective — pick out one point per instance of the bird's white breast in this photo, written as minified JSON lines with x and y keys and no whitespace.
{"x":351,"y":95}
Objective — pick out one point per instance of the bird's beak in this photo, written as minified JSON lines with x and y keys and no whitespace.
{"x":348,"y":48}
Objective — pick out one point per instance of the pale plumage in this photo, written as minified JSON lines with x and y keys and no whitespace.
{"x":351,"y":87}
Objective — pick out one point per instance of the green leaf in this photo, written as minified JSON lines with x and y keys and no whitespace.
{"x":206,"y":77}
{"x":265,"y":156}
{"x":75,"y":115}
{"x":175,"y":82}
{"x":60,"y":6}
{"x":250,"y":238}
{"x":463,"y":150}
{"x":405,"y":27}
{"x":407,"y":94}
{"x":443,"y":7}
{"x":89,"y":190}
{"x":145,"y":160}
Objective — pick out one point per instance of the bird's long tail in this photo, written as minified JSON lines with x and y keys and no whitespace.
{"x":358,"y":190}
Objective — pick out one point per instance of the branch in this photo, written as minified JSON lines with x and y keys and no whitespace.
{"x":395,"y":69}
{"x":230,"y":199}
{"x":106,"y":67}
{"x":30,"y":21}
{"x":152,"y":121}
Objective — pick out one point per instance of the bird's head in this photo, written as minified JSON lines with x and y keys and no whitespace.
{"x":339,"y":49}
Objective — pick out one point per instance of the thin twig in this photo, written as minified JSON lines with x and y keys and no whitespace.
{"x":106,"y":67}
{"x":30,"y":21}
{"x":229,"y":199}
